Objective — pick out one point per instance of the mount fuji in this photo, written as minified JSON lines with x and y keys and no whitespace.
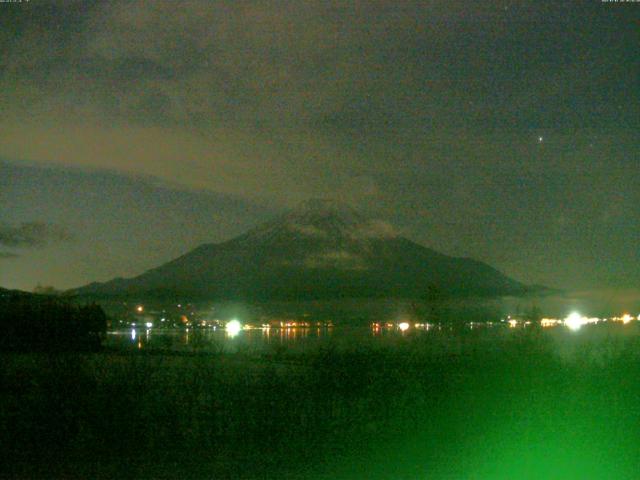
{"x":322,"y":250}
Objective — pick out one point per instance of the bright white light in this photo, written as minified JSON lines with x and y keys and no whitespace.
{"x":149,"y":324}
{"x":574,"y":321}
{"x":233,"y":327}
{"x":404,"y":326}
{"x":626,"y":318}
{"x":513,"y":323}
{"x":133,"y":334}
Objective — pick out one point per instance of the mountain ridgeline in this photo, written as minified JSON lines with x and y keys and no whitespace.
{"x":322,"y":250}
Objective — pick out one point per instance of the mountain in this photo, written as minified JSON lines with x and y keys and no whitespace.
{"x":320,"y":250}
{"x":4,"y":293}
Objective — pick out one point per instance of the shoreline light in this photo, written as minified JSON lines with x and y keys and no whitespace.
{"x":233,"y":327}
{"x":574,"y":321}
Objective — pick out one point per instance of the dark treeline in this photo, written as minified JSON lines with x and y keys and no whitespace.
{"x":44,"y":323}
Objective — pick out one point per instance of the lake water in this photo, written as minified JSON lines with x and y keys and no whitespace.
{"x":253,"y":340}
{"x":302,"y":339}
{"x":219,"y":340}
{"x":494,"y":403}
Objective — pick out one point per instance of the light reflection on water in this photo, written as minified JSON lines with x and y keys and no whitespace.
{"x":257,"y":339}
{"x":218,"y":339}
{"x":260,"y":340}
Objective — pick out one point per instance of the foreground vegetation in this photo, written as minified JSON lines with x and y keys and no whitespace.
{"x":45,"y":323}
{"x":456,"y":406}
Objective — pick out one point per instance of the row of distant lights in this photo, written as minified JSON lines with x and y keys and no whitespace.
{"x":575,"y":321}
{"x":233,"y":327}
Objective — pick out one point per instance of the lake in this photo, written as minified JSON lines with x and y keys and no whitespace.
{"x":338,"y":403}
{"x":299,"y":340}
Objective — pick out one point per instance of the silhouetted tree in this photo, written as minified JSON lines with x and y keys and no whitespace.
{"x":534,"y":315}
{"x":45,"y":323}
{"x":435,"y":304}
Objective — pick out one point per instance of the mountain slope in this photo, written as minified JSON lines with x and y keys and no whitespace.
{"x":321,"y":250}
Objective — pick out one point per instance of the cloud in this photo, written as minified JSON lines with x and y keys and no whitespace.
{"x":257,"y":99}
{"x":30,"y":235}
{"x":307,"y":230}
{"x":339,"y":259}
{"x":272,"y":100}
{"x":374,"y":229}
{"x":405,"y":106}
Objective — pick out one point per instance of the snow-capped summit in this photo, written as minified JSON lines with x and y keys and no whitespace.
{"x":322,"y":218}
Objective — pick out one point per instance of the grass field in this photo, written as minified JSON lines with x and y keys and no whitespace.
{"x":502,"y":405}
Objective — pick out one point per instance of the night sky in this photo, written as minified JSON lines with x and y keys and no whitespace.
{"x":130,"y":132}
